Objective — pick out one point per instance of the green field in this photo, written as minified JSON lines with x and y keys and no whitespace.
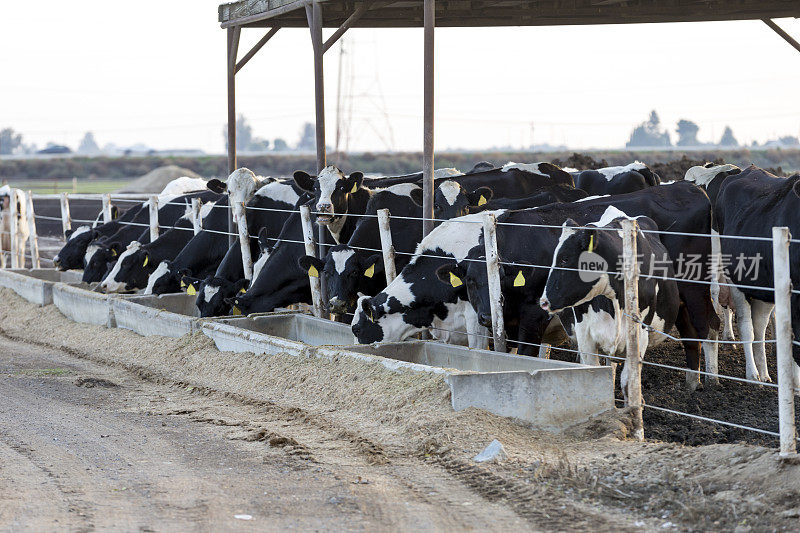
{"x":44,"y":186}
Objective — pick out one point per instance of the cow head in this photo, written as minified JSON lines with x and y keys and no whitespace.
{"x":569,"y":282}
{"x":347,"y":273}
{"x":332,"y":190}
{"x":450,"y":200}
{"x":213,"y":292}
{"x":99,"y":259}
{"x":164,"y":279}
{"x":72,"y":255}
{"x":131,"y":271}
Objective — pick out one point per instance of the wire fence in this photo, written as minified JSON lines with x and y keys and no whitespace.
{"x":628,"y":269}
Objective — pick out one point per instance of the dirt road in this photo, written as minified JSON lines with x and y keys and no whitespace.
{"x":86,"y":447}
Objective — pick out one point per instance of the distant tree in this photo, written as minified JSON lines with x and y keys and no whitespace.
{"x":88,"y":145}
{"x":649,"y":133}
{"x":308,"y":137}
{"x":727,"y":138}
{"x":244,"y":134}
{"x":687,"y":133}
{"x":279,"y":145}
{"x":259,"y":145}
{"x":789,"y":140}
{"x":10,"y":141}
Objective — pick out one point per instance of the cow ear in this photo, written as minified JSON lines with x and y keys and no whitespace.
{"x":590,"y":240}
{"x":304,"y":180}
{"x":242,"y":285}
{"x":366,"y":308}
{"x":263,"y":240}
{"x":68,"y":232}
{"x":114,"y":212}
{"x":311,"y":265}
{"x":416,"y":196}
{"x":216,"y":186}
{"x":115,"y":248}
{"x":480,"y":196}
{"x":570,"y":223}
{"x":373,"y":265}
{"x":354,"y":181}
{"x":451,"y":274}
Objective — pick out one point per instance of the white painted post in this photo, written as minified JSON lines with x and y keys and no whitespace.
{"x":308,"y":239}
{"x":197,"y":223}
{"x":633,"y":362}
{"x":66,"y":219}
{"x":244,"y":243}
{"x":493,"y":273}
{"x":387,"y":248}
{"x":14,"y":229}
{"x":33,"y":238}
{"x":74,"y":185}
{"x":544,"y":350}
{"x":783,"y":337}
{"x":153,"y":204}
{"x":107,"y":208}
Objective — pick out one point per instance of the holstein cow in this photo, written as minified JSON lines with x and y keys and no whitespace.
{"x":352,"y":268}
{"x":416,"y":301}
{"x":594,"y":300}
{"x":73,"y":254}
{"x":750,"y":204}
{"x":134,"y":266}
{"x":617,"y":180}
{"x":680,"y":207}
{"x":228,"y":279}
{"x":202,"y":255}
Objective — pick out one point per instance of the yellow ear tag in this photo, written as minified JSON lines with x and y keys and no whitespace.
{"x":519,"y":281}
{"x":370,"y":271}
{"x":481,"y":200}
{"x":146,"y":260}
{"x":455,"y":281}
{"x":113,"y":253}
{"x":312,"y":271}
{"x":242,"y":291}
{"x":237,"y":311}
{"x":354,"y":189}
{"x":183,"y":284}
{"x":191,"y":290}
{"x":591,"y":243}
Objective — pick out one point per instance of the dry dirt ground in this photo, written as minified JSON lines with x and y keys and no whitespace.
{"x":103,"y":429}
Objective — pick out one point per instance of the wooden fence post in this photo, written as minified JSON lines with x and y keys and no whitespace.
{"x":633,"y":363}
{"x":14,"y":230}
{"x":66,"y":219}
{"x":387,"y":248}
{"x":244,"y":243}
{"x":197,"y":223}
{"x":783,"y":337}
{"x":308,"y":239}
{"x":153,"y":204}
{"x":33,"y":238}
{"x":493,"y":273}
{"x":106,"y":208}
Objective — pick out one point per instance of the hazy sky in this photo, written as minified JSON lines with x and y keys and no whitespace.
{"x":154,"y":72}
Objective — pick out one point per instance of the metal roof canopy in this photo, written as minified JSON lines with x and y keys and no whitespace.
{"x":345,"y":14}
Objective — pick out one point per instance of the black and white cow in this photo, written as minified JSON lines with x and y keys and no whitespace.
{"x":416,"y":301}
{"x":134,"y":265}
{"x":749,"y":204}
{"x":590,"y":304}
{"x":352,"y":268}
{"x":617,"y":180}
{"x":72,"y":254}
{"x":680,"y":207}
{"x":203,"y":254}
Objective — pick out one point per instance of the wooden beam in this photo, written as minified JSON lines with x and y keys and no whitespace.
{"x":258,"y":46}
{"x":786,"y":37}
{"x":352,"y":19}
{"x":427,"y":118}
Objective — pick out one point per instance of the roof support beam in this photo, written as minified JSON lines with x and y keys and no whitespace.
{"x":427,"y":118}
{"x":253,"y":51}
{"x":786,"y":37}
{"x":347,"y":24}
{"x":233,"y":50}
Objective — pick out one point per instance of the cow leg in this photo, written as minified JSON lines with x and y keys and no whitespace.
{"x":690,"y":348}
{"x":711,"y":354}
{"x":744,"y":319}
{"x":760,"y":313}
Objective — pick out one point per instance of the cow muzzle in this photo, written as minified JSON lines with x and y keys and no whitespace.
{"x":485,"y":320}
{"x":324,"y":213}
{"x":544,"y":303}
{"x":337,"y":305}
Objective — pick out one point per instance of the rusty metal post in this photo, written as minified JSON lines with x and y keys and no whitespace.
{"x":427,"y":133}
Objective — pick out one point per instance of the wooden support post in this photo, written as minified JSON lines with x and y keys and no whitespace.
{"x":633,"y":363}
{"x":75,"y":185}
{"x":66,"y":219}
{"x":783,"y":337}
{"x":244,"y":242}
{"x":493,"y":273}
{"x":544,"y":350}
{"x":197,"y":222}
{"x":33,"y":238}
{"x":786,"y":37}
{"x":429,"y":10}
{"x":13,"y":225}
{"x":233,"y":50}
{"x":253,"y":51}
{"x":347,"y":24}
{"x":387,"y":248}
{"x":153,"y":205}
{"x":107,"y":208}
{"x":308,"y":240}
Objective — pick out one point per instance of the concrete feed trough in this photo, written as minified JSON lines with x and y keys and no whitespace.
{"x":80,"y":303}
{"x":36,"y":285}
{"x":547,"y":393}
{"x":170,"y":315}
{"x":276,"y":333}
